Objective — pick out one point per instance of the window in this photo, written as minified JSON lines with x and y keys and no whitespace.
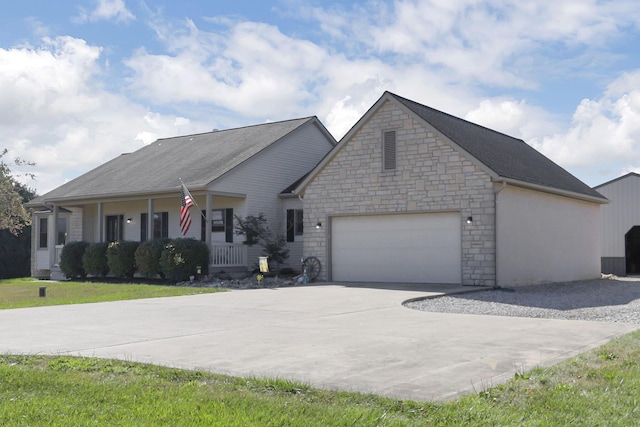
{"x":221,"y":222}
{"x":114,"y":228}
{"x":295,"y":224}
{"x":160,"y":225}
{"x":62,"y":231}
{"x":42,"y":233}
{"x":389,"y":150}
{"x":217,"y":220}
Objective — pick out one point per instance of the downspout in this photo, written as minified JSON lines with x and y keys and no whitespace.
{"x":495,"y":229}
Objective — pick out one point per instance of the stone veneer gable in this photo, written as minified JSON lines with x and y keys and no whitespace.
{"x":430,"y":176}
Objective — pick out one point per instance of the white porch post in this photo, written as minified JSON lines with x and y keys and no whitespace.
{"x":100,"y":222}
{"x":150,"y":219}
{"x":52,"y":238}
{"x":207,"y":222}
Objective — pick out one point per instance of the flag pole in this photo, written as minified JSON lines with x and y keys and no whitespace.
{"x":192,"y":199}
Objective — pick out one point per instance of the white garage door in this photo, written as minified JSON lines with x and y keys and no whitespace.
{"x":402,"y":248}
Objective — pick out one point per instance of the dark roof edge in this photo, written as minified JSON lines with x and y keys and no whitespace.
{"x":617,"y":179}
{"x":484,"y":128}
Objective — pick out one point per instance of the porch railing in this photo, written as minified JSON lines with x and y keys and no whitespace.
{"x":228,"y":255}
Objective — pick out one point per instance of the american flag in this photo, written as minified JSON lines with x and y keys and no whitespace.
{"x":185,"y":216}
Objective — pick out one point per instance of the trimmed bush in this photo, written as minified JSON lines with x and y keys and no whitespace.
{"x":94,"y":259}
{"x":71,"y":259}
{"x":15,"y":253}
{"x":182,"y":257}
{"x":121,"y":258}
{"x":148,"y":257}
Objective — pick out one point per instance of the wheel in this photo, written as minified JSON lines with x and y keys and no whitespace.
{"x":312,"y":266}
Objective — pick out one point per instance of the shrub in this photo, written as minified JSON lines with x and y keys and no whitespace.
{"x":181,"y":258}
{"x":15,"y":253}
{"x":94,"y":259}
{"x":121,"y":258}
{"x":276,"y":250}
{"x":148,"y":257}
{"x":71,"y":259}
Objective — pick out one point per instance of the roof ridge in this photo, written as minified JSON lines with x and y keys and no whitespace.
{"x":406,"y":100}
{"x":506,"y":156}
{"x":238,"y":128}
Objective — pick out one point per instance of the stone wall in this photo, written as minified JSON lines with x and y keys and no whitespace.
{"x":430,"y":176}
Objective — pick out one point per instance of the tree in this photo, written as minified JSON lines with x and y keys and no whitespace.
{"x":253,"y":228}
{"x":276,"y":250}
{"x":256,"y":231}
{"x":15,"y":229}
{"x":13,"y":216}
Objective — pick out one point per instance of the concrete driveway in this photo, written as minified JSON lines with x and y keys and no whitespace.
{"x":333,"y":336}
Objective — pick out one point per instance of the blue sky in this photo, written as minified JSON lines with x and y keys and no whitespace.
{"x":84,"y":81}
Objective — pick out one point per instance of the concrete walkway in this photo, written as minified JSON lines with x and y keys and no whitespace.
{"x":332,"y":336}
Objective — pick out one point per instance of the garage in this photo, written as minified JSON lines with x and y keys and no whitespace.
{"x":403,"y":248}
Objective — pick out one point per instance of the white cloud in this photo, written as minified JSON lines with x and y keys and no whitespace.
{"x":440,"y":52}
{"x":453,"y":55}
{"x":106,"y":10}
{"x":256,"y":71}
{"x":54,"y":112}
{"x":604,"y":133}
{"x":250,"y":69}
{"x":513,"y":117}
{"x":494,"y":42}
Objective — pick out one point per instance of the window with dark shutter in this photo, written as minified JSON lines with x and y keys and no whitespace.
{"x":160,"y":225}
{"x":299,"y":222}
{"x":389,"y":150}
{"x":143,"y":226}
{"x":295,"y":224}
{"x":43,"y":233}
{"x":228,"y":225}
{"x":221,"y":222}
{"x":291,"y":225}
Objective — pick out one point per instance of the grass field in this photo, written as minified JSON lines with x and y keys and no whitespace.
{"x":19,"y":293}
{"x":597,"y":388}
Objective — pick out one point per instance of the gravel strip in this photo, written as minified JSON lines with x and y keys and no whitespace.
{"x":603,"y":300}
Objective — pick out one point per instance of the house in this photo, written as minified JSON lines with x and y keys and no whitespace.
{"x":415,"y":195}
{"x":620,"y":228}
{"x":231,"y":172}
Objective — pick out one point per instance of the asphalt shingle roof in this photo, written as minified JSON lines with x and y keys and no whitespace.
{"x":196,"y":159}
{"x":508,"y":157}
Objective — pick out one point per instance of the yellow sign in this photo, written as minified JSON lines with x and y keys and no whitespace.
{"x":264,"y":264}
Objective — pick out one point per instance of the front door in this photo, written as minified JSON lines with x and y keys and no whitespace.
{"x":114,"y":228}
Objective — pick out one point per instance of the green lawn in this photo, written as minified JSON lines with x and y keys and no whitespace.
{"x":18,"y":293}
{"x":598,"y":388}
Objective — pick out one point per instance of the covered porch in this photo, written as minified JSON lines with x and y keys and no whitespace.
{"x":136,"y":219}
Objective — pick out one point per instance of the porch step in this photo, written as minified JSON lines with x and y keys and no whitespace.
{"x":57,"y":274}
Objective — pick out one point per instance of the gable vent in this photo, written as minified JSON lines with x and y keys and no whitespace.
{"x":389,"y":150}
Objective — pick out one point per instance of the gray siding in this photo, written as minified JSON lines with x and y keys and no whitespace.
{"x":613,"y":265}
{"x":620,"y":215}
{"x":269,"y":172}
